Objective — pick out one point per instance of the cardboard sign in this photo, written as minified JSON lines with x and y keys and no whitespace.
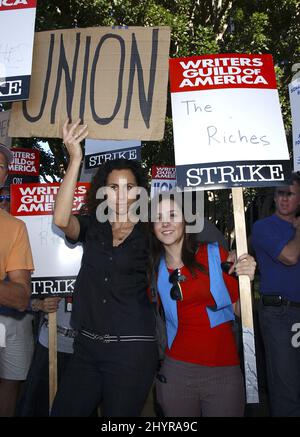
{"x":17,"y":21}
{"x":228,"y":128}
{"x":99,"y":151}
{"x":4,"y":124}
{"x":26,"y":162}
{"x":56,"y":262}
{"x":115,"y":80}
{"x":294,"y":91}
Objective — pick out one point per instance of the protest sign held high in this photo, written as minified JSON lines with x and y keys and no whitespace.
{"x":17,"y":19}
{"x":228,"y":128}
{"x":115,"y":80}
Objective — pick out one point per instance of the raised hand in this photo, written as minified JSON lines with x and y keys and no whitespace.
{"x":72,"y":136}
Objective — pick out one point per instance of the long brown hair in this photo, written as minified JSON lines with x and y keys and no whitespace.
{"x":189,"y":245}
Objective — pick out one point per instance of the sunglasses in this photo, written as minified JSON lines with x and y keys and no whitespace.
{"x":175,"y":278}
{"x":5,"y":197}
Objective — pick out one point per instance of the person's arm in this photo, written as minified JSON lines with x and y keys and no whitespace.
{"x":291,"y":252}
{"x":15,"y":293}
{"x":62,"y":216}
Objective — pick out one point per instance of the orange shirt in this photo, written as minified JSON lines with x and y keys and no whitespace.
{"x":196,"y":342}
{"x":15,"y":251}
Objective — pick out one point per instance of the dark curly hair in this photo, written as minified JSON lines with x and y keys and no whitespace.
{"x":100,"y":179}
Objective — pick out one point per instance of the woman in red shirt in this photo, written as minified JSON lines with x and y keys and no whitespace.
{"x":200,"y":375}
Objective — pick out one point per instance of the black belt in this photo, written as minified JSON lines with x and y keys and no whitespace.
{"x":106,"y":338}
{"x":277,"y":301}
{"x":66,"y":332}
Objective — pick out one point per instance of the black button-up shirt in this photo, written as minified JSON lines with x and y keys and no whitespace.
{"x":110,"y":295}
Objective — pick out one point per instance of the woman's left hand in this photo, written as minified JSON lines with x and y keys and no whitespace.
{"x":245,"y":265}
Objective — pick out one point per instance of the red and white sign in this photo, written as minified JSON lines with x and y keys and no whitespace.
{"x":163,"y":172}
{"x":228,"y":128}
{"x":17,"y":22}
{"x":26,"y":162}
{"x":222,"y":71}
{"x":56,"y":262}
{"x":163,"y":179}
{"x":8,"y":5}
{"x":39,"y":199}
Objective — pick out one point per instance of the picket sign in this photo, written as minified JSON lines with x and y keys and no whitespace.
{"x":245,"y":300}
{"x":52,"y":358}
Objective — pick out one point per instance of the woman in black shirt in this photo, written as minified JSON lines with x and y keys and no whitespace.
{"x":115,"y":352}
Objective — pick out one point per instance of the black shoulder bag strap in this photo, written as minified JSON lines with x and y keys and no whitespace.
{"x":160,"y":323}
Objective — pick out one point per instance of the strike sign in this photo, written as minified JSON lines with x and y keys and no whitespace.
{"x":17,"y":19}
{"x":228,"y":128}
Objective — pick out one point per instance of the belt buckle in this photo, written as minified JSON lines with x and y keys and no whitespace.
{"x":62,"y":330}
{"x":69,"y":333}
{"x":269,"y":300}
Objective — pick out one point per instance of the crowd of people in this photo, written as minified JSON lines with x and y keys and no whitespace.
{"x":108,"y":346}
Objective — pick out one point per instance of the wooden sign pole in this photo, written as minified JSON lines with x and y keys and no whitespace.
{"x":245,"y":300}
{"x":52,"y":357}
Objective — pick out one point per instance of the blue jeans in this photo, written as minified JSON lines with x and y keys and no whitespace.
{"x":282,"y":358}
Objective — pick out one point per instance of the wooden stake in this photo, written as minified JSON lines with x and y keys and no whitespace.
{"x":245,"y":300}
{"x":52,"y":357}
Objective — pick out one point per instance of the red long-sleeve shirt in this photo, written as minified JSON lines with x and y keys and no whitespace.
{"x":196,"y":342}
